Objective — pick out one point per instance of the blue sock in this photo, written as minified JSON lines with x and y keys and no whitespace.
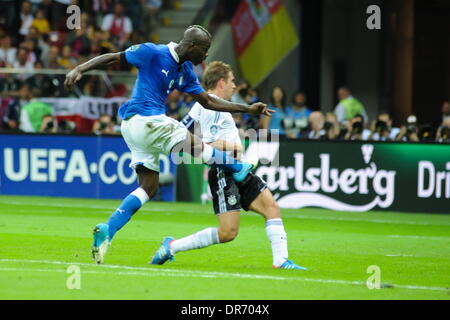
{"x":225,"y":162}
{"x":132,"y":203}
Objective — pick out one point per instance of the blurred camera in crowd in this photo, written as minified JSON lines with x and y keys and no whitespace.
{"x":409,"y":131}
{"x":355,"y":127}
{"x":443,"y":132}
{"x":381,"y":128}
{"x":66,"y":127}
{"x":104,"y":125}
{"x":49,"y":124}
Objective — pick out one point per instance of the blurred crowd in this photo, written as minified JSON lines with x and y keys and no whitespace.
{"x":34,"y":36}
{"x":295,"y":119}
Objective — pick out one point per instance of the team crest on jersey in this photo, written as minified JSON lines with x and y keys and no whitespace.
{"x":213,"y":129}
{"x":232,"y":200}
{"x":135,"y":47}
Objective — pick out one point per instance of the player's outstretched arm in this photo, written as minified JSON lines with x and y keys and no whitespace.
{"x":98,"y":62}
{"x":217,"y":104}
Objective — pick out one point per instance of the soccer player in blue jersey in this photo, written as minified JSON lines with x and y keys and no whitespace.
{"x":145,"y":127}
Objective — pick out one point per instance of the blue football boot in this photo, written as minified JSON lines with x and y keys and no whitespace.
{"x":163,"y":254}
{"x":101,"y":242}
{"x":289,"y":264}
{"x":241,"y":175}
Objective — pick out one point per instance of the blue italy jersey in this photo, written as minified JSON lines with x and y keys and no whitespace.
{"x":158,"y":74}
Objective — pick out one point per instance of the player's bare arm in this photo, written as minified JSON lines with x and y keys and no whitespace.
{"x":99,"y":62}
{"x":218,"y":104}
{"x":228,"y":146}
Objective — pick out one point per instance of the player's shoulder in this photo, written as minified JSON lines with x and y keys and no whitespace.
{"x":145,"y":46}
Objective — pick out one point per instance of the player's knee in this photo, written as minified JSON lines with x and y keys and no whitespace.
{"x":228,"y":234}
{"x":149,"y":189}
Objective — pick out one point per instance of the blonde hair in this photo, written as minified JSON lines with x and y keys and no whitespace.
{"x":215,"y":71}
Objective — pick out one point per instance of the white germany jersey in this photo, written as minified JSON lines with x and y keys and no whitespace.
{"x":215,"y":125}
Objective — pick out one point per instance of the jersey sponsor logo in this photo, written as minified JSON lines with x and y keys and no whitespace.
{"x":166,"y":72}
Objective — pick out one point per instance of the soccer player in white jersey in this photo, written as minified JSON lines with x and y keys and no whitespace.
{"x":219,"y":130}
{"x":145,"y":127}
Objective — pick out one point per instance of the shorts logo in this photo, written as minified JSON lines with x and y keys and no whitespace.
{"x":232,"y":200}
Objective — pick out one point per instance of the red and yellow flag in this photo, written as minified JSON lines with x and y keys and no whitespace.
{"x":263,"y":35}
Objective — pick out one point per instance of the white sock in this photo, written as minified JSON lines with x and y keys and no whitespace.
{"x":201,"y":239}
{"x":278,"y":239}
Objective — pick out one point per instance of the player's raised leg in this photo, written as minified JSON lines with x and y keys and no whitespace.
{"x":210,"y":156}
{"x":104,"y":232}
{"x":266,"y":205}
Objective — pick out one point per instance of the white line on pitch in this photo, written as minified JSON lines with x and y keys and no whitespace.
{"x":417,"y":237}
{"x":191,"y":273}
{"x":290,"y":215}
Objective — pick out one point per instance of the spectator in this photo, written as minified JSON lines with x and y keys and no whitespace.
{"x":22,"y":64}
{"x":332,"y":127}
{"x":118,"y":26}
{"x":32,"y":116}
{"x":296,"y":115}
{"x":409,"y":131}
{"x":315,"y":129}
{"x":7,"y":52}
{"x":445,"y":111}
{"x":47,"y":8}
{"x":274,"y":124}
{"x":67,"y":61}
{"x":381,"y":129}
{"x":151,"y":9}
{"x":66,"y":127}
{"x":426,"y":133}
{"x":26,"y":19}
{"x":443,"y":132}
{"x":78,"y":40}
{"x":48,"y":124}
{"x":11,"y":118}
{"x":53,"y":58}
{"x":42,"y":82}
{"x":241,"y":94}
{"x":355,"y":128}
{"x":40,"y":47}
{"x":104,"y":125}
{"x":348,"y":106}
{"x":30,"y":46}
{"x":41,"y":22}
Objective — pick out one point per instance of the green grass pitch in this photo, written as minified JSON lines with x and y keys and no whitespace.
{"x":41,"y":238}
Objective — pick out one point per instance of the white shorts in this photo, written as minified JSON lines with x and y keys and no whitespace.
{"x":148,"y":136}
